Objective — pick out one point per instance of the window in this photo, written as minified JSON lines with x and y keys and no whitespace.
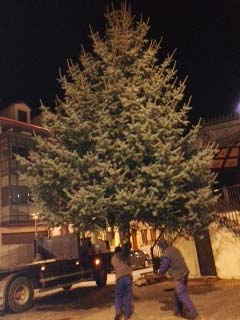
{"x":111,"y":237}
{"x":153,"y":234}
{"x":19,"y":195}
{"x":5,"y":196}
{"x":22,"y":116}
{"x":15,"y":195}
{"x":144,"y":236}
{"x":4,"y":168}
{"x":21,"y":151}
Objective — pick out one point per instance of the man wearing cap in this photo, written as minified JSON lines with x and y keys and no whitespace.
{"x":173,"y":262}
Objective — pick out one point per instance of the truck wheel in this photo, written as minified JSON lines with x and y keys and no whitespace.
{"x":67,"y":288}
{"x":101,"y":278}
{"x":20,"y":294}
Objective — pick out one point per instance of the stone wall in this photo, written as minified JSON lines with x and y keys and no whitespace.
{"x":188,"y":250}
{"x":226,"y":251}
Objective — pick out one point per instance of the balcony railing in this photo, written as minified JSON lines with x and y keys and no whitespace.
{"x":227,"y":210}
{"x":231,"y":195}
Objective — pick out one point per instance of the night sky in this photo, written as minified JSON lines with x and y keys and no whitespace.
{"x":37,"y":37}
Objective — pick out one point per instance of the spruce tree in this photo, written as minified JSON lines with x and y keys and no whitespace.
{"x":121,"y":147}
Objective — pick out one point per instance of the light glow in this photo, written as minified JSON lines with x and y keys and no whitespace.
{"x":97,"y":262}
{"x":238,"y":107}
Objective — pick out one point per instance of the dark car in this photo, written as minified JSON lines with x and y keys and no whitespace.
{"x":139,"y":259}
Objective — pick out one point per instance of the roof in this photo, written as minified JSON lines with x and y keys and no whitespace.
{"x":11,"y":122}
{"x":227,"y":157}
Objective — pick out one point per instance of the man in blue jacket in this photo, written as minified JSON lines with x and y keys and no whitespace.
{"x":173,"y":262}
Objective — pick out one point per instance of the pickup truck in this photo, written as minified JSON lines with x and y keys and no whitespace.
{"x":55,"y":268}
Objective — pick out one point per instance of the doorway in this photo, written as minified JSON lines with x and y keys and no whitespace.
{"x":205,"y":254}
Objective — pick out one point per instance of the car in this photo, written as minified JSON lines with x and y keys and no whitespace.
{"x":139,"y":259}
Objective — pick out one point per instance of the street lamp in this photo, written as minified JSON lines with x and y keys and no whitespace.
{"x":35,"y":217}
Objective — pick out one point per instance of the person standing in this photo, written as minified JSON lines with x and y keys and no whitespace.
{"x":123,"y":290}
{"x":173,"y":262}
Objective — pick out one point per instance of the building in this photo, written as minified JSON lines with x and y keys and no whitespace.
{"x":18,"y":216}
{"x":225,"y":131}
{"x":218,"y":252}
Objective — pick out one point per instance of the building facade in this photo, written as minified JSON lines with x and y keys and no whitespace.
{"x":17,"y":213}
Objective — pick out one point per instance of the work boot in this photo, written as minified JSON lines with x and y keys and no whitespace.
{"x":118,"y":316}
{"x":178,"y":314}
{"x":127,"y":317}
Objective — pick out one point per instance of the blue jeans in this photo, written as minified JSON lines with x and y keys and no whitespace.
{"x":181,"y":298}
{"x":123,"y":296}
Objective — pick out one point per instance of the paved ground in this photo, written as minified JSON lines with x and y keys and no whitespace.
{"x":214,"y":299}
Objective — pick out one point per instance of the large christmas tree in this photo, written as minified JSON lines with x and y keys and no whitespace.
{"x":120,"y":146}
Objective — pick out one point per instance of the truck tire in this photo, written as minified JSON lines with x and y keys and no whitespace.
{"x":101,"y":277}
{"x":20,"y":294}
